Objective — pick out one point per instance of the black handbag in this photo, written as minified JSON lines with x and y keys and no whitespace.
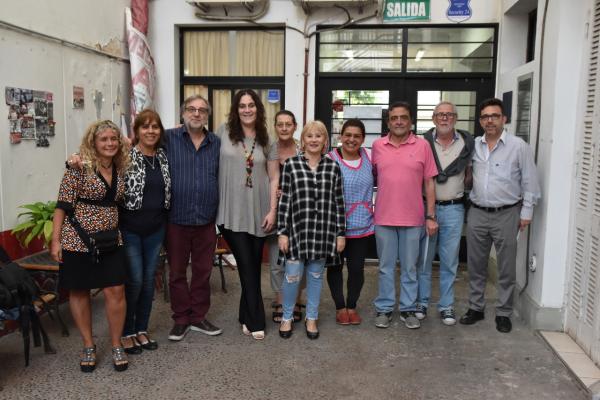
{"x":104,"y":242}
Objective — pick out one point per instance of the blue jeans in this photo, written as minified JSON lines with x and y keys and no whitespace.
{"x":142,"y":254}
{"x":294,"y":269}
{"x":397,"y":243}
{"x":450,"y":219}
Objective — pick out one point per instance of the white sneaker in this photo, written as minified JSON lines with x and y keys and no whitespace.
{"x":421,"y":312}
{"x":448,"y":317}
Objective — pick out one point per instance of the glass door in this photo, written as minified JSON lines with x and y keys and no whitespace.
{"x":366,"y":99}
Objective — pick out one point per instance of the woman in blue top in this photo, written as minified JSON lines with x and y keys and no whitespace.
{"x":357,"y":173}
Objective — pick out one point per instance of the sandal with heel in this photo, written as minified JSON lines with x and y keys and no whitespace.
{"x":277,"y":313}
{"x":298,"y":312}
{"x":87,"y":360}
{"x":119,"y":357}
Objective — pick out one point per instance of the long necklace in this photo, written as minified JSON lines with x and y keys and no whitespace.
{"x":151,"y":158}
{"x":249,"y":162}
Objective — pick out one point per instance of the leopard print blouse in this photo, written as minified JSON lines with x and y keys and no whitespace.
{"x":77,"y":184}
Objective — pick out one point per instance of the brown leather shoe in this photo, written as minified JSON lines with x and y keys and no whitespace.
{"x":353,"y":317}
{"x":342,"y":317}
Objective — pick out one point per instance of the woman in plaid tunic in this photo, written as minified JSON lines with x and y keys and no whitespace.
{"x":311,"y":223}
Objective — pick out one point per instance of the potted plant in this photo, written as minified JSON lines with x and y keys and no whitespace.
{"x":38,"y":223}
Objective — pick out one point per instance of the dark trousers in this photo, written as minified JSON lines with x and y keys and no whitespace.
{"x":354,"y":255}
{"x":190,"y":303}
{"x":500,"y":229}
{"x":247,"y":250}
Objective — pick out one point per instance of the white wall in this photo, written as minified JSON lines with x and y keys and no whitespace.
{"x":29,"y":173}
{"x":167,"y":15}
{"x":563,"y":60}
{"x":563,"y":54}
{"x":93,"y":23}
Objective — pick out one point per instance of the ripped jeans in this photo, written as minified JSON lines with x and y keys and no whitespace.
{"x":291,"y":283}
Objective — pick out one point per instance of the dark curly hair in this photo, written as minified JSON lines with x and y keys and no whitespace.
{"x":236,"y":134}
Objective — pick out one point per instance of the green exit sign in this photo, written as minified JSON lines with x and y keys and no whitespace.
{"x":406,"y":10}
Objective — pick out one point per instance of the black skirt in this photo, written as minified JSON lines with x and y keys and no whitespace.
{"x":78,"y":270}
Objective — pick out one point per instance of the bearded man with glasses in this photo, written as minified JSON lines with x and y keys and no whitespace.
{"x":505,"y":191}
{"x":193,"y":154}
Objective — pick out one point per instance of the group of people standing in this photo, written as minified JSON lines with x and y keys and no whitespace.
{"x":500,"y":171}
{"x":314,"y":208}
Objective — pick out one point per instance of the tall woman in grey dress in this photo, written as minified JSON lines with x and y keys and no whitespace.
{"x":248,"y":180}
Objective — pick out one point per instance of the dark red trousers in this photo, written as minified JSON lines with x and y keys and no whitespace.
{"x":190,"y":303}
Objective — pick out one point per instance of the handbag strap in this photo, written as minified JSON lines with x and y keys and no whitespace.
{"x":87,"y":239}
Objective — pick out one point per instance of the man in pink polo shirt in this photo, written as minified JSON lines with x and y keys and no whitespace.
{"x":405,"y":167}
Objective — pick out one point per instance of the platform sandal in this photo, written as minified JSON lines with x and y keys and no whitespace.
{"x":298,"y":312}
{"x":277,"y":314}
{"x":119,"y":359}
{"x":87,"y":361}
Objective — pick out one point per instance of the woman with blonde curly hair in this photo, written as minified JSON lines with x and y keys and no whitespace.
{"x":86,"y":241}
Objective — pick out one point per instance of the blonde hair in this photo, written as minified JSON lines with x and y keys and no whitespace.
{"x":88,"y":152}
{"x":319,"y":127}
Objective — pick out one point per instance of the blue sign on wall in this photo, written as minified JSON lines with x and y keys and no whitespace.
{"x":459,"y":10}
{"x":273,"y":95}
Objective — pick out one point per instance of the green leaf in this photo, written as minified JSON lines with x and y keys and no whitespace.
{"x":37,"y":222}
{"x":28,"y":239}
{"x":22,"y":227}
{"x":32,"y":207}
{"x":37,"y":229}
{"x":48,"y":225}
{"x":24,"y":213}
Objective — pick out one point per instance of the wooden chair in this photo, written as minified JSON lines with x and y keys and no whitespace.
{"x":45,"y":272}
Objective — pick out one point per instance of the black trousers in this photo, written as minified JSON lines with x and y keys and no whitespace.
{"x":247,"y":250}
{"x":354,"y":255}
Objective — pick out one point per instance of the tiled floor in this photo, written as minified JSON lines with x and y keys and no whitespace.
{"x":574,"y":357}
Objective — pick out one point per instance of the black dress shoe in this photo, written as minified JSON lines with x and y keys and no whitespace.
{"x":309,"y":334}
{"x":146,"y":342}
{"x":471,"y":317}
{"x":503,"y":324}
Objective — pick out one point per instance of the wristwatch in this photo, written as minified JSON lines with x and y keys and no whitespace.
{"x":431,"y":217}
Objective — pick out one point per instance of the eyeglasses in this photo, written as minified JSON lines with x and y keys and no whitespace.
{"x":284,"y":125}
{"x":446,"y":115}
{"x":493,"y":117}
{"x":194,"y":110}
{"x":400,"y":117}
{"x":246,"y":106}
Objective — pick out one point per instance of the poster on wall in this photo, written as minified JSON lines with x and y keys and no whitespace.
{"x":78,"y":98}
{"x":30,"y":115}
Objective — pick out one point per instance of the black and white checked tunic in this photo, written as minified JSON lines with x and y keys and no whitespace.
{"x":311,"y":208}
